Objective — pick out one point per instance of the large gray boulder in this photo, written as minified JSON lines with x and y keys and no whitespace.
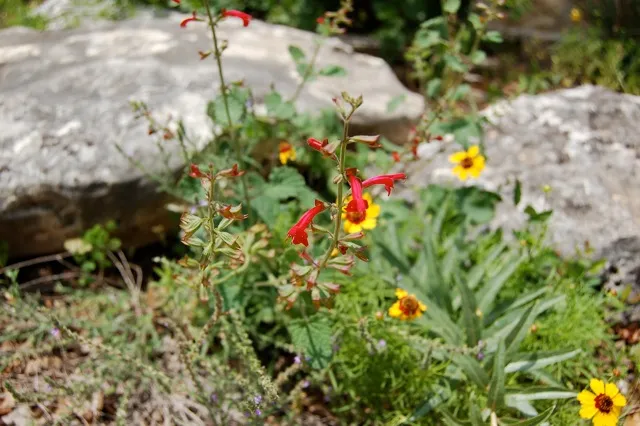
{"x":583,"y":142}
{"x":64,"y":104}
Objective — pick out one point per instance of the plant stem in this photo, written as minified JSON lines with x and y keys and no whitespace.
{"x":339,"y":198}
{"x":225,"y":99}
{"x":307,"y":72}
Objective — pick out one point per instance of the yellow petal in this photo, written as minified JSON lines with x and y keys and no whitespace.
{"x":610,"y":389}
{"x":586,"y":398}
{"x":588,"y":411}
{"x":473,"y":151}
{"x":479,"y":162}
{"x":605,"y":419}
{"x":284,"y":157}
{"x":422,"y":306}
{"x":400,"y":293}
{"x":457,"y":157}
{"x":461,"y":172}
{"x":352,"y":228}
{"x":597,"y":386}
{"x":293,"y":154}
{"x":373,"y":211}
{"x":368,"y":223}
{"x":619,"y":400}
{"x":367,"y":197}
{"x":476,"y":170}
{"x":394,"y":310}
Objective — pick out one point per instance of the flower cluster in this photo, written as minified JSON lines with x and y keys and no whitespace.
{"x":352,"y":213}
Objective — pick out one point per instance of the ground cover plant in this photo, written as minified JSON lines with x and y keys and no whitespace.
{"x":303,"y":291}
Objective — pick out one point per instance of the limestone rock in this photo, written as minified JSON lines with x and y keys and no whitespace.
{"x":583,"y":142}
{"x":64,"y":104}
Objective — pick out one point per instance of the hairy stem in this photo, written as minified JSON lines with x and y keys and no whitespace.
{"x":225,"y":98}
{"x":340,"y":196}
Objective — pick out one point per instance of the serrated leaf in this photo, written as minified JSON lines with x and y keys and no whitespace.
{"x":495,"y":397}
{"x":451,"y":6}
{"x":538,"y":360}
{"x":313,"y":338}
{"x":333,"y":71}
{"x":236,"y":99}
{"x":296,"y":53}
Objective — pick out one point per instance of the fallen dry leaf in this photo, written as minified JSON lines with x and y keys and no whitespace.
{"x":6,"y":403}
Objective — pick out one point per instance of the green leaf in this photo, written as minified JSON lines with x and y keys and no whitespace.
{"x":535,"y":216}
{"x":519,"y":332}
{"x":433,"y":87}
{"x":480,"y":270}
{"x":395,"y":102}
{"x":542,"y":417}
{"x":472,"y":369}
{"x":538,"y":394}
{"x":313,"y":338}
{"x":277,"y":107}
{"x":451,"y":6}
{"x":474,"y":18}
{"x":538,"y":360}
{"x":491,"y":289}
{"x":460,"y":92}
{"x":478,"y":57}
{"x":493,"y":37}
{"x":427,"y":39}
{"x":333,"y":71}
{"x":434,"y":399}
{"x":495,"y":397}
{"x":454,"y":63}
{"x":517,"y":193}
{"x":476,"y":416}
{"x":296,"y":53}
{"x":236,"y":99}
{"x":470,"y":319}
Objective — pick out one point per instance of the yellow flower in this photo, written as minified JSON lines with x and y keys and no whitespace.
{"x":603,"y":405}
{"x":469,"y":163}
{"x":576,"y":15}
{"x":286,"y":152}
{"x":356,"y":222}
{"x":407,"y":307}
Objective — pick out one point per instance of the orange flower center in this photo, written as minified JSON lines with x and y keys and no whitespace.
{"x":604,"y":404}
{"x":409,"y":305}
{"x":467,"y":163}
{"x":356,"y":217}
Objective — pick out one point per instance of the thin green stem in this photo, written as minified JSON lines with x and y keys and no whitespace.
{"x":307,"y":72}
{"x":225,"y":99}
{"x":339,"y":198}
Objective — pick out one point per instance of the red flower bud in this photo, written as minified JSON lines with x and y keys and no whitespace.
{"x":184,"y":22}
{"x":396,"y":156}
{"x":298,"y":232}
{"x":357,"y":203}
{"x":237,"y":14}
{"x":324,"y":147}
{"x":196,"y":173}
{"x":320,"y":20}
{"x":386,"y":180}
{"x":232,"y":172}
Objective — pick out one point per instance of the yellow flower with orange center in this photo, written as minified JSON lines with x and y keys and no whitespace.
{"x":286,"y":152}
{"x":356,"y":221}
{"x":408,"y":307}
{"x":468,"y":163}
{"x":603,"y":405}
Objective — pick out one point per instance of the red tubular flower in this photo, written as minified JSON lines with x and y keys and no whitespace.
{"x":396,"y":156}
{"x":316,"y":144}
{"x":176,"y":1}
{"x":298,"y":232}
{"x":237,"y":14}
{"x":386,"y":180}
{"x":357,"y":204}
{"x":184,"y":22}
{"x":232,"y":172}
{"x":196,"y":173}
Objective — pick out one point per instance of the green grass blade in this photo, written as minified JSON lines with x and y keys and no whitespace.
{"x":495,"y":398}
